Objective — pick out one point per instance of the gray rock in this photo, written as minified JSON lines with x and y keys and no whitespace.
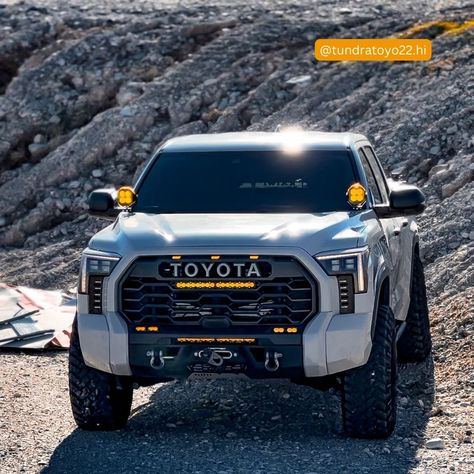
{"x":60,"y":205}
{"x":39,"y":139}
{"x":38,"y":150}
{"x":127,"y":112}
{"x":438,"y":169}
{"x":127,"y":94}
{"x":403,"y":401}
{"x":449,"y":189}
{"x":435,"y":443}
{"x":97,"y":173}
{"x":300,"y":80}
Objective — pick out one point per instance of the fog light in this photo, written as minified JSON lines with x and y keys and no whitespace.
{"x":356,"y":195}
{"x":126,"y":196}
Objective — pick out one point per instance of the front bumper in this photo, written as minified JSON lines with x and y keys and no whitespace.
{"x":173,"y":356}
{"x":330,"y":342}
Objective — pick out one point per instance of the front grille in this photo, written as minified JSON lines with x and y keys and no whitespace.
{"x":286,"y":296}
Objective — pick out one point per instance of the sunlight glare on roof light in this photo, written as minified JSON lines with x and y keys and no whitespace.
{"x":292,"y":140}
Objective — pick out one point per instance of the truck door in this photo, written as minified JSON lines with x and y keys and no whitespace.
{"x":398,"y":234}
{"x":379,"y":192}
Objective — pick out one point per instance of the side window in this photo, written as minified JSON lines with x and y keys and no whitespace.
{"x":378,"y":173}
{"x":374,"y":189}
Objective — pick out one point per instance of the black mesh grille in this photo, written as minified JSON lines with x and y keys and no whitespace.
{"x":276,"y":299}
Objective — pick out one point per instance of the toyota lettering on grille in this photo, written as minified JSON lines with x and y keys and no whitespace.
{"x":214,"y":269}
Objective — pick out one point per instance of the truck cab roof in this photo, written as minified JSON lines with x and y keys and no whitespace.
{"x":237,"y":141}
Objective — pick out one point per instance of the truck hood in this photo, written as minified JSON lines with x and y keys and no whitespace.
{"x":314,"y":233}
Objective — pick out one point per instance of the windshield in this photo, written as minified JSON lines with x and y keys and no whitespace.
{"x":246,"y":182}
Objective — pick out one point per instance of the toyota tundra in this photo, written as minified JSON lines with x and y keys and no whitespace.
{"x":283,"y":255}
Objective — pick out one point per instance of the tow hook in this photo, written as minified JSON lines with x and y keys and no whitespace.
{"x":271,"y":361}
{"x":214,"y":355}
{"x":162,"y":359}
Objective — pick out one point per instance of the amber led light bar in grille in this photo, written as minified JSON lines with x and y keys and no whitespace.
{"x":208,"y":340}
{"x":214,"y":284}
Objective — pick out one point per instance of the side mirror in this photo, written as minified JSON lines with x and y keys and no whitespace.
{"x":405,"y":200}
{"x":102,"y":204}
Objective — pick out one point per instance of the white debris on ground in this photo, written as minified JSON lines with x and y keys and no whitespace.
{"x":35,"y":319}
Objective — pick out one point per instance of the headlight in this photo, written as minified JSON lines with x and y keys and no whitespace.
{"x":95,"y":265}
{"x":349,"y":262}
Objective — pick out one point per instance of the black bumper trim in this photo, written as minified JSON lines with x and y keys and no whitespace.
{"x":173,"y":360}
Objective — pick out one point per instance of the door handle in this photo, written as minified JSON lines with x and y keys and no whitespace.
{"x":397,"y":230}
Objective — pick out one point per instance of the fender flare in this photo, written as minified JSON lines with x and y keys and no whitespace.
{"x":380,"y":277}
{"x":414,"y":244}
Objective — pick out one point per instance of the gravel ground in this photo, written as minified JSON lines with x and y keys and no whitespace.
{"x":220,"y":426}
{"x":88,"y":89}
{"x":244,"y":426}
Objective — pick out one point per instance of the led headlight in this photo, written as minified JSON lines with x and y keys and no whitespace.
{"x":95,"y":265}
{"x":349,"y":262}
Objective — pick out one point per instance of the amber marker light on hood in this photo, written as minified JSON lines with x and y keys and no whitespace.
{"x":126,"y":196}
{"x":356,"y":195}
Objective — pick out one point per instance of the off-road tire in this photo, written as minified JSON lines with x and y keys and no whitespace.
{"x":369,"y":392}
{"x":414,"y":344}
{"x":99,"y":401}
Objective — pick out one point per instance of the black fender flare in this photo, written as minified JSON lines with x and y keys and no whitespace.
{"x":380,"y":277}
{"x":414,"y":244}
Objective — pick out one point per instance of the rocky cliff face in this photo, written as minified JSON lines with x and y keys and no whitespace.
{"x":89,"y":91}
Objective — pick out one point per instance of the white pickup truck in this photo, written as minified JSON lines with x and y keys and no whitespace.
{"x":261,"y":255}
